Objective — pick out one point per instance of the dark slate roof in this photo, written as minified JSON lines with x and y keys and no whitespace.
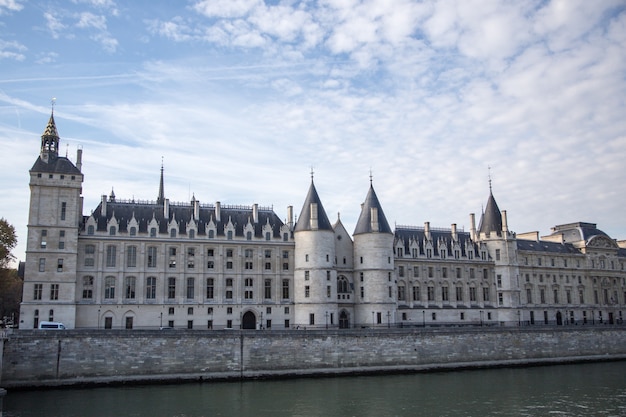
{"x":60,"y":165}
{"x":491,"y":220}
{"x":305,"y":215}
{"x":406,"y":234}
{"x":364,"y":224}
{"x":574,"y":232}
{"x":144,"y":212}
{"x":545,"y":246}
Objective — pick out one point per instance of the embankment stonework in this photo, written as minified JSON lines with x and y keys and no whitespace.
{"x":51,"y":358}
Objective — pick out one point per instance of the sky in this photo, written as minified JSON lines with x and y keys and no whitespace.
{"x":241,"y":100}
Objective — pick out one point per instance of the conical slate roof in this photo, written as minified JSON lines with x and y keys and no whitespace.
{"x":51,"y":128}
{"x":491,"y":220}
{"x":304,"y":221}
{"x":364,"y":225}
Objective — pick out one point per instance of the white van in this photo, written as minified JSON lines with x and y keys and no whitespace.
{"x":51,"y":325}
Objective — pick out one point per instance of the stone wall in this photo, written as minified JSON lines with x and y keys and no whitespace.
{"x":49,"y":358}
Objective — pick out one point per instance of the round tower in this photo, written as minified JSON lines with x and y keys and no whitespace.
{"x":374,"y":277}
{"x":315,"y":277}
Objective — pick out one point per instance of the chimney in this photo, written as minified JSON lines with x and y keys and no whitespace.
{"x":473,"y":227}
{"x":374,"y":219}
{"x":196,"y":209}
{"x":313,"y":220}
{"x":255,"y":213}
{"x":79,"y":159}
{"x":166,"y":208}
{"x":453,"y":228}
{"x":290,"y":217}
{"x":218,"y":211}
{"x":505,"y":226}
{"x":103,"y":209}
{"x":427,"y":230}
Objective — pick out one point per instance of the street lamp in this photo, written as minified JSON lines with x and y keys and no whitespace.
{"x":326,"y":314}
{"x":481,"y":318}
{"x":372,"y":319}
{"x":423,"y":318}
{"x":388,"y":319}
{"x":161,"y":322}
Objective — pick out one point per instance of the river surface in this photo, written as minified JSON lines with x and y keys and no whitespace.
{"x":592,"y":389}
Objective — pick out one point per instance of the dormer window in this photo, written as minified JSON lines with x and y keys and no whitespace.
{"x":153,"y":232}
{"x":173,"y":233}
{"x":112,"y":231}
{"x":133,"y":231}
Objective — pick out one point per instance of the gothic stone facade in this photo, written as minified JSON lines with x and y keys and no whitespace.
{"x":149,"y":264}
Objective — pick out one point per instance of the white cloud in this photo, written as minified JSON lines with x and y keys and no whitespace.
{"x":47,"y":58}
{"x":8,"y":6}
{"x":90,"y":20}
{"x":226,"y":8}
{"x":54,"y":24}
{"x":12,"y":50}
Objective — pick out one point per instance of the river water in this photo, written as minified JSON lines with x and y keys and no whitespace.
{"x":592,"y":389}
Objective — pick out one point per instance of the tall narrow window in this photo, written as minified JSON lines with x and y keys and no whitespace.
{"x":210,"y":288}
{"x":151,"y":288}
{"x":171,"y":287}
{"x":191,"y":284}
{"x":129,"y":287}
{"x":42,"y":264}
{"x":109,"y":288}
{"x":131,"y":256}
{"x":111,"y":255}
{"x":152,"y":256}
{"x":38,"y":292}
{"x":63,"y":210}
{"x":268,"y":289}
{"x":285,"y":289}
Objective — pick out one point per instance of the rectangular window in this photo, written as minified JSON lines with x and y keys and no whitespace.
{"x":152,"y":257}
{"x":171,"y":287}
{"x":229,"y":324}
{"x":63,"y":210}
{"x":472,"y":294}
{"x":500,"y":299}
{"x":416,"y":271}
{"x":210,"y":288}
{"x":111,"y":253}
{"x":307,"y":291}
{"x":87,"y":287}
{"x":497,"y":254}
{"x":444,"y":294}
{"x":542,"y":296}
{"x":472,"y":273}
{"x":59,"y":265}
{"x":229,"y":265}
{"x":311,"y":319}
{"x":268,"y":289}
{"x":38,"y":292}
{"x":191,"y":285}
{"x":328,"y":291}
{"x":401,"y":271}
{"x":131,"y":256}
{"x":486,"y":294}
{"x":109,"y":288}
{"x":529,"y":296}
{"x":444,"y":272}
{"x":54,"y":291}
{"x":306,"y":275}
{"x":229,"y":294}
{"x":151,"y":288}
{"x":285,"y":289}
{"x":499,"y":280}
{"x":431,"y":293}
{"x":401,"y":293}
{"x":129,"y":287}
{"x":416,"y":293}
{"x":430,"y":272}
{"x":459,"y":293}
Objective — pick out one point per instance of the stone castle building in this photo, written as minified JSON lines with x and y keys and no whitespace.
{"x":149,"y":264}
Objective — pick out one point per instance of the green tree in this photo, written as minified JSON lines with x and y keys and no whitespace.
{"x":10,"y":284}
{"x":8,"y":240}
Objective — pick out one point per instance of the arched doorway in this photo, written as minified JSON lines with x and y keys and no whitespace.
{"x":248,"y":321}
{"x":344,"y":320}
{"x":559,"y":319}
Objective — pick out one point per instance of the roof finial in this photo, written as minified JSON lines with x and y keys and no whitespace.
{"x":312,"y":173}
{"x":370,"y":175}
{"x":489,"y":176}
{"x":53,"y":101}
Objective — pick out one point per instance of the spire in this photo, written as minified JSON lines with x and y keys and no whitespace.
{"x":313,"y":216}
{"x":491,"y":219}
{"x":50,"y":140}
{"x":161,"y":197}
{"x":372,"y":218}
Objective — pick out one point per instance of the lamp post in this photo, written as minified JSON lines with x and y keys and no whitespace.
{"x":481,"y":318}
{"x":423,"y":318}
{"x":519,"y":318}
{"x":372,"y":319}
{"x":161,"y":321}
{"x":98,"y":319}
{"x":388,"y":320}
{"x":326,"y":314}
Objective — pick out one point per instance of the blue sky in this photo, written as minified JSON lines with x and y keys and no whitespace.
{"x":242,"y":97}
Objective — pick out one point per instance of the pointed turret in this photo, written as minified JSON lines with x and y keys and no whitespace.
{"x":372,"y":218}
{"x":313,"y":216}
{"x":491,"y":219}
{"x":50,"y":141}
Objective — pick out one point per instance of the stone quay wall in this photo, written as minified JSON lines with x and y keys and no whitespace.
{"x":38,"y":358}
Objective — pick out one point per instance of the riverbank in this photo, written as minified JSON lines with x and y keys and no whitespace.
{"x":34,"y":359}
